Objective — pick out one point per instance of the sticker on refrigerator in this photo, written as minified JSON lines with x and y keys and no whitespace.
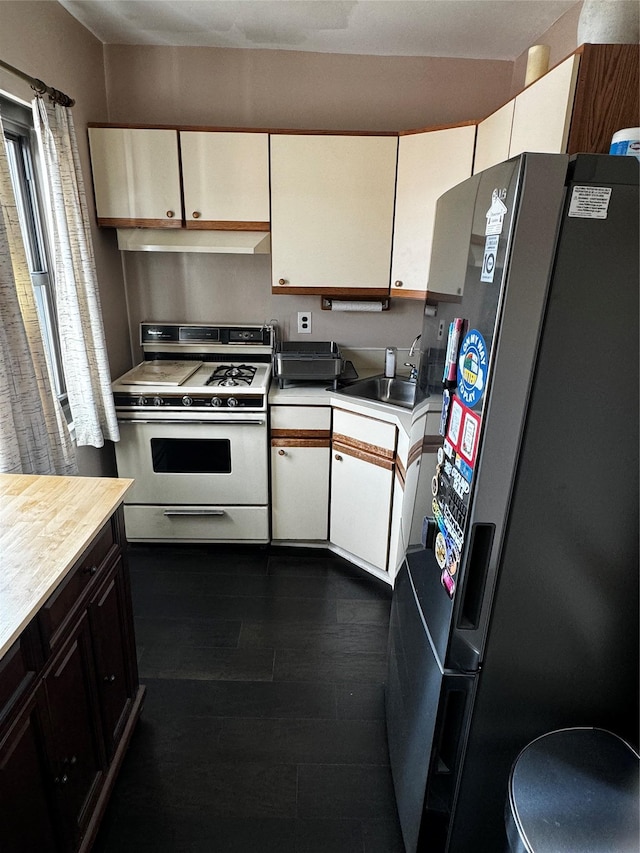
{"x":453,"y":433}
{"x":472,"y":368}
{"x":496,"y":213}
{"x":470,"y":431}
{"x":590,"y":202}
{"x":489,"y":259}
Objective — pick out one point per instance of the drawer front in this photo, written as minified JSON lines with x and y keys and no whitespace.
{"x":79,"y":583}
{"x":201,"y":524}
{"x":365,"y":430}
{"x":300,"y":418}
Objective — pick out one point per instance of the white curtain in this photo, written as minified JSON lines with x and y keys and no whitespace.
{"x":84,"y":353}
{"x":34,"y":437}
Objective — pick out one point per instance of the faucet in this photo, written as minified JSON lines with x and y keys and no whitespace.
{"x":413,"y":373}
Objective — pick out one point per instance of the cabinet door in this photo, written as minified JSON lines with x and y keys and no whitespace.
{"x":543,"y":111}
{"x":136,"y":177}
{"x":113,"y":646}
{"x":429,"y":164}
{"x":332,"y":201}
{"x":76,"y":748}
{"x":226,"y":180}
{"x":25,"y":787}
{"x":300,"y":461}
{"x":360,"y":506}
{"x":299,"y":490}
{"x":494,"y":138}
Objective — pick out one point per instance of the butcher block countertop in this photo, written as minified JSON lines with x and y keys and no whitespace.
{"x":45,"y":525}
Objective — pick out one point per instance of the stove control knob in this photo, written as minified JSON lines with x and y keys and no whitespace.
{"x":187,"y":400}
{"x":232,"y":402}
{"x":216,"y":401}
{"x":157,"y":401}
{"x":141,"y":401}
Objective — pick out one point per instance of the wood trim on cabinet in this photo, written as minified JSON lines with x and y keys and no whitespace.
{"x":401,"y":473}
{"x":364,"y":446}
{"x":336,"y":292}
{"x":431,"y":128}
{"x":607,"y":96}
{"x":106,"y":222}
{"x":430,"y":443}
{"x":225,"y":225}
{"x":296,"y":131}
{"x":300,"y":442}
{"x":358,"y":453}
{"x":427,"y":444}
{"x":415,"y":452}
{"x":318,"y":434}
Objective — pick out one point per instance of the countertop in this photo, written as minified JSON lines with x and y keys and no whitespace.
{"x":46,"y":523}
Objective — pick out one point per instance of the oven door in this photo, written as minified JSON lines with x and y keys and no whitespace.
{"x":191,"y":462}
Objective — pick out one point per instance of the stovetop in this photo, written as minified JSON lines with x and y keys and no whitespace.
{"x":221,"y":368}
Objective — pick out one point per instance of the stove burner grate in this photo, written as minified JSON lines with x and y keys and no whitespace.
{"x":229,"y":375}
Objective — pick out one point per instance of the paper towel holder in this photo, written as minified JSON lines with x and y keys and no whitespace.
{"x":326,"y":302}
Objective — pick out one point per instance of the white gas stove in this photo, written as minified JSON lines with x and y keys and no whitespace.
{"x":193,"y":434}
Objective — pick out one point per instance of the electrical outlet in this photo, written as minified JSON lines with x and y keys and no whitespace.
{"x":440,"y":330}
{"x":304,"y":322}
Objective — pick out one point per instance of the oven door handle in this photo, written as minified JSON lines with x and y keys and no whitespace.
{"x":227,"y":422}
{"x":207,"y":512}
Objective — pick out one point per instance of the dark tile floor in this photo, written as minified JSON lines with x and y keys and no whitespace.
{"x":263,"y":727}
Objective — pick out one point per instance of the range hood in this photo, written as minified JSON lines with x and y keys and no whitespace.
{"x":185,"y":240}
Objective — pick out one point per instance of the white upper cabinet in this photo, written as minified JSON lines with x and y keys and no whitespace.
{"x":136,"y":177}
{"x":429,"y":164}
{"x":493,"y":138}
{"x":332,"y":200}
{"x":542,"y":113}
{"x":226,"y":179}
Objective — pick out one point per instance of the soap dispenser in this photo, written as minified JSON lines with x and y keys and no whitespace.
{"x":390,"y":362}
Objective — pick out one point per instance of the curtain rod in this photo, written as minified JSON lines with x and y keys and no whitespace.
{"x":39,"y":87}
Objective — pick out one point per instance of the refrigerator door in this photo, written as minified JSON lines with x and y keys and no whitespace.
{"x":412,"y":694}
{"x":427,"y":714}
{"x":508,"y":252}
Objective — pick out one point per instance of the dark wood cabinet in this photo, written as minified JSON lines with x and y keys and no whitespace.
{"x":69,"y":700}
{"x":74,"y":736}
{"x":114,"y":650}
{"x":26,"y":799}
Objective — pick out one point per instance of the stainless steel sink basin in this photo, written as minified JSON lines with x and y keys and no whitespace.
{"x":398,"y":391}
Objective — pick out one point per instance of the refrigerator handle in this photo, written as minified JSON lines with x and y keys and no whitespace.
{"x":476,"y":577}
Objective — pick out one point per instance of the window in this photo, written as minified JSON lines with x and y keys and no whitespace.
{"x":22,"y":156}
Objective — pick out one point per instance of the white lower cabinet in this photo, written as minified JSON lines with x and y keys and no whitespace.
{"x":300,"y":450}
{"x":362,"y":481}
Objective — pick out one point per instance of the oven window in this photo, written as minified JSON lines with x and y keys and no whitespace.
{"x":191,"y":455}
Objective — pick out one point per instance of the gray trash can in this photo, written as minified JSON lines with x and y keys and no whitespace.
{"x":574,"y":791}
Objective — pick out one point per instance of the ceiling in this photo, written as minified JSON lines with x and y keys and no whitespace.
{"x":473,"y":29}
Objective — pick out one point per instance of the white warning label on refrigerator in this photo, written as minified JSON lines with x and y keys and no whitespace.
{"x":590,"y":202}
{"x":489,"y":259}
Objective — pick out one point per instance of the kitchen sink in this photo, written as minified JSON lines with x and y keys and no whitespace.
{"x":398,"y":391}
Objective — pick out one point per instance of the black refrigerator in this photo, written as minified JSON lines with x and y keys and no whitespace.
{"x":518,"y":612}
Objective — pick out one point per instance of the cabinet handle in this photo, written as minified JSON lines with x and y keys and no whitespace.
{"x":282,"y":281}
{"x":170,"y":214}
{"x":196,"y":214}
{"x":282,"y":453}
{"x":397,"y":284}
{"x":109,"y":678}
{"x":338,"y":458}
{"x":90,"y":570}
